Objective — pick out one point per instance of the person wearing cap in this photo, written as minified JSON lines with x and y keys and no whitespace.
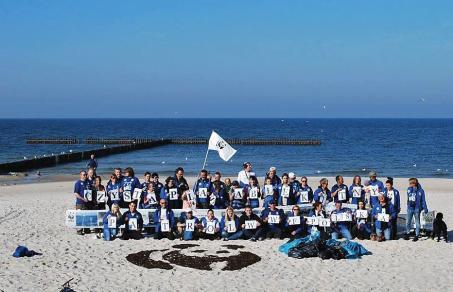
{"x":253,"y":234}
{"x":384,"y":229}
{"x":340,"y":227}
{"x":286,"y":192}
{"x":237,"y":196}
{"x":294,"y":182}
{"x":273,"y":230}
{"x":374,"y":187}
{"x":245,"y":174}
{"x":305,"y":193}
{"x":393,"y":196}
{"x":340,"y":192}
{"x":203,"y":183}
{"x":254,"y":188}
{"x":357,"y":191}
{"x":229,"y":225}
{"x":164,"y":215}
{"x":295,"y":230}
{"x":272,"y":174}
{"x":183,"y":233}
{"x":416,"y":202}
{"x":322,"y":193}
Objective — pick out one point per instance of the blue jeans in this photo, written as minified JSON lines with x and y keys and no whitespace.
{"x":109,"y":233}
{"x":188,"y":235}
{"x":365,"y":227}
{"x":343,"y":230}
{"x":232,"y":236}
{"x":413,"y":213}
{"x":387,"y":233}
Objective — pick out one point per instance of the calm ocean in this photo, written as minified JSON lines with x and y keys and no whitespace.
{"x":393,"y":147}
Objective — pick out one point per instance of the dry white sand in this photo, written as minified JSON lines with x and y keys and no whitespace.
{"x":34,"y":215}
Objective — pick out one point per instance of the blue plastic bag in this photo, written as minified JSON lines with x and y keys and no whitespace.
{"x":22,"y":251}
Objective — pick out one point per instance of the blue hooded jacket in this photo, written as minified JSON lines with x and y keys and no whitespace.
{"x":336,"y":187}
{"x":266,"y":212}
{"x":202,"y":183}
{"x":169,"y":215}
{"x":395,"y":200}
{"x":236,"y":223}
{"x":305,"y":189}
{"x":318,"y":196}
{"x":416,"y":199}
{"x":129,"y":215}
{"x":290,"y":199}
{"x":355,"y":200}
{"x":299,"y":228}
{"x":389,"y":209}
{"x":374,"y":199}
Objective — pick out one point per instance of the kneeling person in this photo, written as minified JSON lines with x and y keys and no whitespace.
{"x":164,"y":220}
{"x":133,"y":221}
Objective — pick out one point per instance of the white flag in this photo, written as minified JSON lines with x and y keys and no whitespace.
{"x":217,"y":143}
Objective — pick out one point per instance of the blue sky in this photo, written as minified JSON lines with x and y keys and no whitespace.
{"x":226,"y":59}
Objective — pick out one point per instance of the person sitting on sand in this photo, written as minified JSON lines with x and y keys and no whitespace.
{"x":229,"y":225}
{"x":251,"y":225}
{"x":170,"y":193}
{"x":111,"y":226}
{"x":318,"y":211}
{"x":356,"y":190}
{"x":305,"y":193}
{"x":339,"y":226}
{"x":210,"y":226}
{"x":164,"y":220}
{"x":81,"y":187}
{"x":340,"y":192}
{"x":295,"y":228}
{"x":286,"y":192}
{"x":362,"y":227}
{"x":202,"y":189}
{"x":188,"y":226}
{"x":384,"y":225}
{"x":237,"y":196}
{"x":322,"y":193}
{"x":253,"y":192}
{"x":416,"y":202}
{"x":273,"y":219}
{"x":393,"y":196}
{"x":133,"y":223}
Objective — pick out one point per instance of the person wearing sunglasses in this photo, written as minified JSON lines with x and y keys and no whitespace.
{"x":80,"y":189}
{"x":416,"y":202}
{"x":295,"y":228}
{"x":322,"y":193}
{"x":113,"y":191}
{"x":305,"y":193}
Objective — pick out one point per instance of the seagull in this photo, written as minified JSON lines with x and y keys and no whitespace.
{"x":186,"y":158}
{"x":70,"y":151}
{"x":163,"y":162}
{"x":415,"y":165}
{"x":422,"y":99}
{"x":324,"y":107}
{"x":25,"y":158}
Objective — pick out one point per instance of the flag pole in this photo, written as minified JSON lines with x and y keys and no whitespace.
{"x":205,"y":158}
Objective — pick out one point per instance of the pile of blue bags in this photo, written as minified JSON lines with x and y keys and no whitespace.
{"x":313,"y":246}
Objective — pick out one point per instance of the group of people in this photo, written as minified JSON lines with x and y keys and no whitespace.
{"x":368,"y":210}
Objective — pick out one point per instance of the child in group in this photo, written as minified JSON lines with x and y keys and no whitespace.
{"x":229,"y":225}
{"x":210,"y":227}
{"x":356,"y":190}
{"x":322,"y":193}
{"x":268,"y":192}
{"x":111,"y":226}
{"x":237,"y":196}
{"x":305,"y":193}
{"x":286,"y":192}
{"x":151,"y":198}
{"x":253,"y":192}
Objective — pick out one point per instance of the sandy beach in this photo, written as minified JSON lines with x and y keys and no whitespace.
{"x":34,"y":215}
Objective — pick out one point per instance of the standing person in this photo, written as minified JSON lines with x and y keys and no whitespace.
{"x":92,"y":163}
{"x":295,"y":228}
{"x":285,"y":191}
{"x":81,"y":188}
{"x":229,"y":225}
{"x":113,"y":191}
{"x":251,"y":225}
{"x":128,"y":184}
{"x":210,"y":226}
{"x":374,"y":187}
{"x":238,"y":197}
{"x":227,"y":185}
{"x":180,"y":181}
{"x":98,"y":187}
{"x":384,"y":227}
{"x":146,"y":181}
{"x":340,"y":192}
{"x":245,"y":174}
{"x":393,"y":196}
{"x":151,"y":198}
{"x":218,"y":178}
{"x":91,"y":177}
{"x":133,"y":223}
{"x":356,"y":190}
{"x":218,"y":198}
{"x":322,"y":193}
{"x":294,"y":183}
{"x":272,"y":174}
{"x":157,"y":184}
{"x":269,"y":192}
{"x":273,"y":226}
{"x":110,"y":231}
{"x":253,"y":192}
{"x":118,"y":173}
{"x":416,"y":202}
{"x":170,"y":193}
{"x":164,"y":220}
{"x":305,"y":194}
{"x":340,"y":227}
{"x":202,"y":190}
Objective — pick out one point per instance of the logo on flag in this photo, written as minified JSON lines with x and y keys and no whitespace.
{"x":218,"y":144}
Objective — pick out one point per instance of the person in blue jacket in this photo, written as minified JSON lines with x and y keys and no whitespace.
{"x":357,"y":191}
{"x":393,"y":196}
{"x":294,"y":182}
{"x":322,"y":193}
{"x":133,"y":223}
{"x":270,"y":195}
{"x":295,"y":230}
{"x":182,"y":226}
{"x":164,"y":218}
{"x":210,"y":227}
{"x":113,"y":191}
{"x":203,"y":184}
{"x":340,"y":192}
{"x":253,"y":187}
{"x":110,"y":232}
{"x":80,"y":188}
{"x":129,"y":183}
{"x":150,"y":198}
{"x":229,"y":225}
{"x":305,"y":193}
{"x":171,"y":194}
{"x":416,"y":202}
{"x":238,"y":197}
{"x":374,"y":188}
{"x":272,"y":174}
{"x":383,"y":228}
{"x":362,"y":225}
{"x":157,"y":184}
{"x":340,"y":227}
{"x":218,"y":198}
{"x":273,"y":229}
{"x":318,"y":211}
{"x":92,"y":163}
{"x":286,"y":192}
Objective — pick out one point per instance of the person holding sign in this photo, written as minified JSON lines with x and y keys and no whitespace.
{"x":253,"y":192}
{"x":320,"y":214}
{"x":305,"y":193}
{"x":273,"y":219}
{"x":237,"y":196}
{"x":322,"y":193}
{"x":384,"y":213}
{"x":98,"y":188}
{"x":393,"y":196}
{"x":113,"y":191}
{"x":229,"y":225}
{"x":170,"y":193}
{"x":373,"y":189}
{"x":251,"y":225}
{"x":188,"y":225}
{"x":294,"y":182}
{"x":110,"y":221}
{"x":151,"y":198}
{"x":341,"y":219}
{"x":295,"y":224}
{"x":415,"y":204}
{"x":128,"y":184}
{"x":210,"y":226}
{"x":362,"y":228}
{"x":356,"y":190}
{"x":268,"y":192}
{"x":202,"y":189}
{"x":340,"y":192}
{"x":286,"y":193}
{"x":164,"y":220}
{"x":272,"y":174}
{"x":80,"y":187}
{"x":217,"y":199}
{"x":133,"y":223}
